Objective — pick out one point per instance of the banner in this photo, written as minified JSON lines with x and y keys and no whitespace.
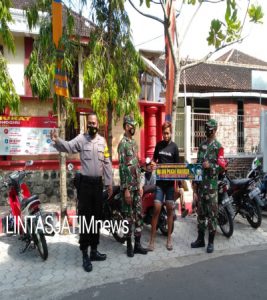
{"x":61,"y":80}
{"x":179,"y":172}
{"x":26,"y":135}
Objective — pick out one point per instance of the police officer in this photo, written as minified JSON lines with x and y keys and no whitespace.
{"x":211,"y":156}
{"x":95,"y":164}
{"x":130,"y":186}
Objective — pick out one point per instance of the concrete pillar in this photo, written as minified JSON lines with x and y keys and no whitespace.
{"x":151,"y":130}
{"x":187,"y":134}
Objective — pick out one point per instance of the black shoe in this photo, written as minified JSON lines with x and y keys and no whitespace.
{"x":138,"y":249}
{"x":210,"y":248}
{"x":97,"y":256}
{"x":87,"y":265}
{"x":200,"y":242}
{"x":130,"y":251}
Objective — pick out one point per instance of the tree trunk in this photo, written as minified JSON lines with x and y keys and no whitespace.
{"x":110,"y":125}
{"x":62,"y":164}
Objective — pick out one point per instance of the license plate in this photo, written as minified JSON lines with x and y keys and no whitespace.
{"x":254,"y":193}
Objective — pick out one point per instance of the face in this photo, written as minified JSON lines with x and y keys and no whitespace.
{"x":210,"y":132}
{"x":166,"y":134}
{"x":149,"y":168}
{"x":130,"y":129}
{"x":92,"y":121}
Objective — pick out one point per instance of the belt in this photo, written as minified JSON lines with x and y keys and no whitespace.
{"x":91,"y":179}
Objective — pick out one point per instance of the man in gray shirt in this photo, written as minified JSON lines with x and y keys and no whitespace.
{"x":95,"y":165}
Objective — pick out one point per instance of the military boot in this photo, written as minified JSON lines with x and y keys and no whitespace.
{"x":96,"y":255}
{"x":137,"y":246}
{"x":87,"y":265}
{"x":199,"y":242}
{"x":130,"y":251}
{"x":210,"y":247}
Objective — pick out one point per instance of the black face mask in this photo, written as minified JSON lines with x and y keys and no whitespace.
{"x":92,"y":130}
{"x":131,"y":131}
{"x":209,"y":131}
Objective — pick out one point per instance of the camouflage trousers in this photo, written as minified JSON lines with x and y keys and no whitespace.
{"x":207,"y":209}
{"x":133,"y":214}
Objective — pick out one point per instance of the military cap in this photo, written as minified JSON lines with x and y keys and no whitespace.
{"x":129,"y":120}
{"x":211,"y":123}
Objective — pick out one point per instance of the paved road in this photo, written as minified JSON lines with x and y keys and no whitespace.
{"x":238,"y":277}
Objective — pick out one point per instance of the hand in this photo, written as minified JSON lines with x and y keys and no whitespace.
{"x":53,"y":135}
{"x":110,"y":191}
{"x":153,"y":165}
{"x":206,"y":164}
{"x":141,"y":192}
{"x":127,"y":197}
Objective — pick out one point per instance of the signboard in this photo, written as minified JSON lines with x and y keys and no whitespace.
{"x":26,"y":135}
{"x":179,"y":172}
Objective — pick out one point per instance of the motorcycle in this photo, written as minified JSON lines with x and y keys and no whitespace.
{"x":148,"y":205}
{"x":25,"y":212}
{"x":246,"y":199}
{"x":260,"y":178}
{"x":225,"y":208}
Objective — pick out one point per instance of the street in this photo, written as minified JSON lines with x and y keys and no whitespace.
{"x":227,"y":277}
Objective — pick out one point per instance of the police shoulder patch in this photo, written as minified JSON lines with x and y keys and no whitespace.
{"x":106,"y":152}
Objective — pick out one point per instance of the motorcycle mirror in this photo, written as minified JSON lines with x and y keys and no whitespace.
{"x":70,"y":166}
{"x":29,"y":163}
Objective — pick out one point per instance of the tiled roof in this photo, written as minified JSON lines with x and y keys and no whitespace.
{"x":83,"y":26}
{"x":238,"y":57}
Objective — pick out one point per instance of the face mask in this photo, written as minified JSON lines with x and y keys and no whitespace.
{"x":131,"y":131}
{"x":209,"y":131}
{"x":92,"y":130}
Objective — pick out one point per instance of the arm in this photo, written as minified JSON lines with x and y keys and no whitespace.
{"x":176,"y":155}
{"x":72,"y":146}
{"x":107,"y":166}
{"x":156,"y":154}
{"x":124,"y":171}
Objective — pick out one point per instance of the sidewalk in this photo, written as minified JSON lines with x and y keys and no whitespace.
{"x":26,"y":276}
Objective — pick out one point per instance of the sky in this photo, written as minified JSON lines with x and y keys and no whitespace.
{"x":148,"y":33}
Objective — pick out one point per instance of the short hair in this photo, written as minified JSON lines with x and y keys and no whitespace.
{"x":166,"y":125}
{"x":92,"y":113}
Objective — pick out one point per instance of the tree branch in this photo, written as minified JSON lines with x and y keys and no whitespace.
{"x":206,"y":57}
{"x":146,"y":15}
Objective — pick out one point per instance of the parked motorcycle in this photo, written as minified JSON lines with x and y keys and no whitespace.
{"x":246,"y":199}
{"x":148,"y":205}
{"x":225,"y":208}
{"x":260,"y":178}
{"x":25,"y":212}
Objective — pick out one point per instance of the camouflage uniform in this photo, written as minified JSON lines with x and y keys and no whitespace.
{"x":130,"y":173}
{"x":210,"y":151}
{"x":207,"y":206}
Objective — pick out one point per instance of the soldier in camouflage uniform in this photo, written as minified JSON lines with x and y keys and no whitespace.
{"x":130,"y":186}
{"x":210,"y":155}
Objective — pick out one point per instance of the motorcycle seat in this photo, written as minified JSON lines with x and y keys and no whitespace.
{"x":149,"y":189}
{"x":26,"y":201}
{"x":239,"y":182}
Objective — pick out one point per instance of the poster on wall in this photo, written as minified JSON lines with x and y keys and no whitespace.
{"x":26,"y":135}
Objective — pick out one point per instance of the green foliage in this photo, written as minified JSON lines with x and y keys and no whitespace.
{"x":255,"y":13}
{"x":5,"y":18}
{"x":41,"y":68}
{"x":111,"y":71}
{"x":8,"y":96}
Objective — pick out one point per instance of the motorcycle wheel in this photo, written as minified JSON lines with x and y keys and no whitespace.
{"x":162,"y":222}
{"x":40,"y":242}
{"x":225,"y":221}
{"x":118,"y":235}
{"x":255,"y":215}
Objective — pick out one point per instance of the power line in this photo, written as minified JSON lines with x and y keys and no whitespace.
{"x":149,"y":40}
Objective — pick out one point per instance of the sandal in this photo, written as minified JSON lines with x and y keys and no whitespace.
{"x":169,"y":246}
{"x":184,"y":212}
{"x":150,"y":247}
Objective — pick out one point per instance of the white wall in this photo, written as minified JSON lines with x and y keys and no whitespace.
{"x":15,"y":64}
